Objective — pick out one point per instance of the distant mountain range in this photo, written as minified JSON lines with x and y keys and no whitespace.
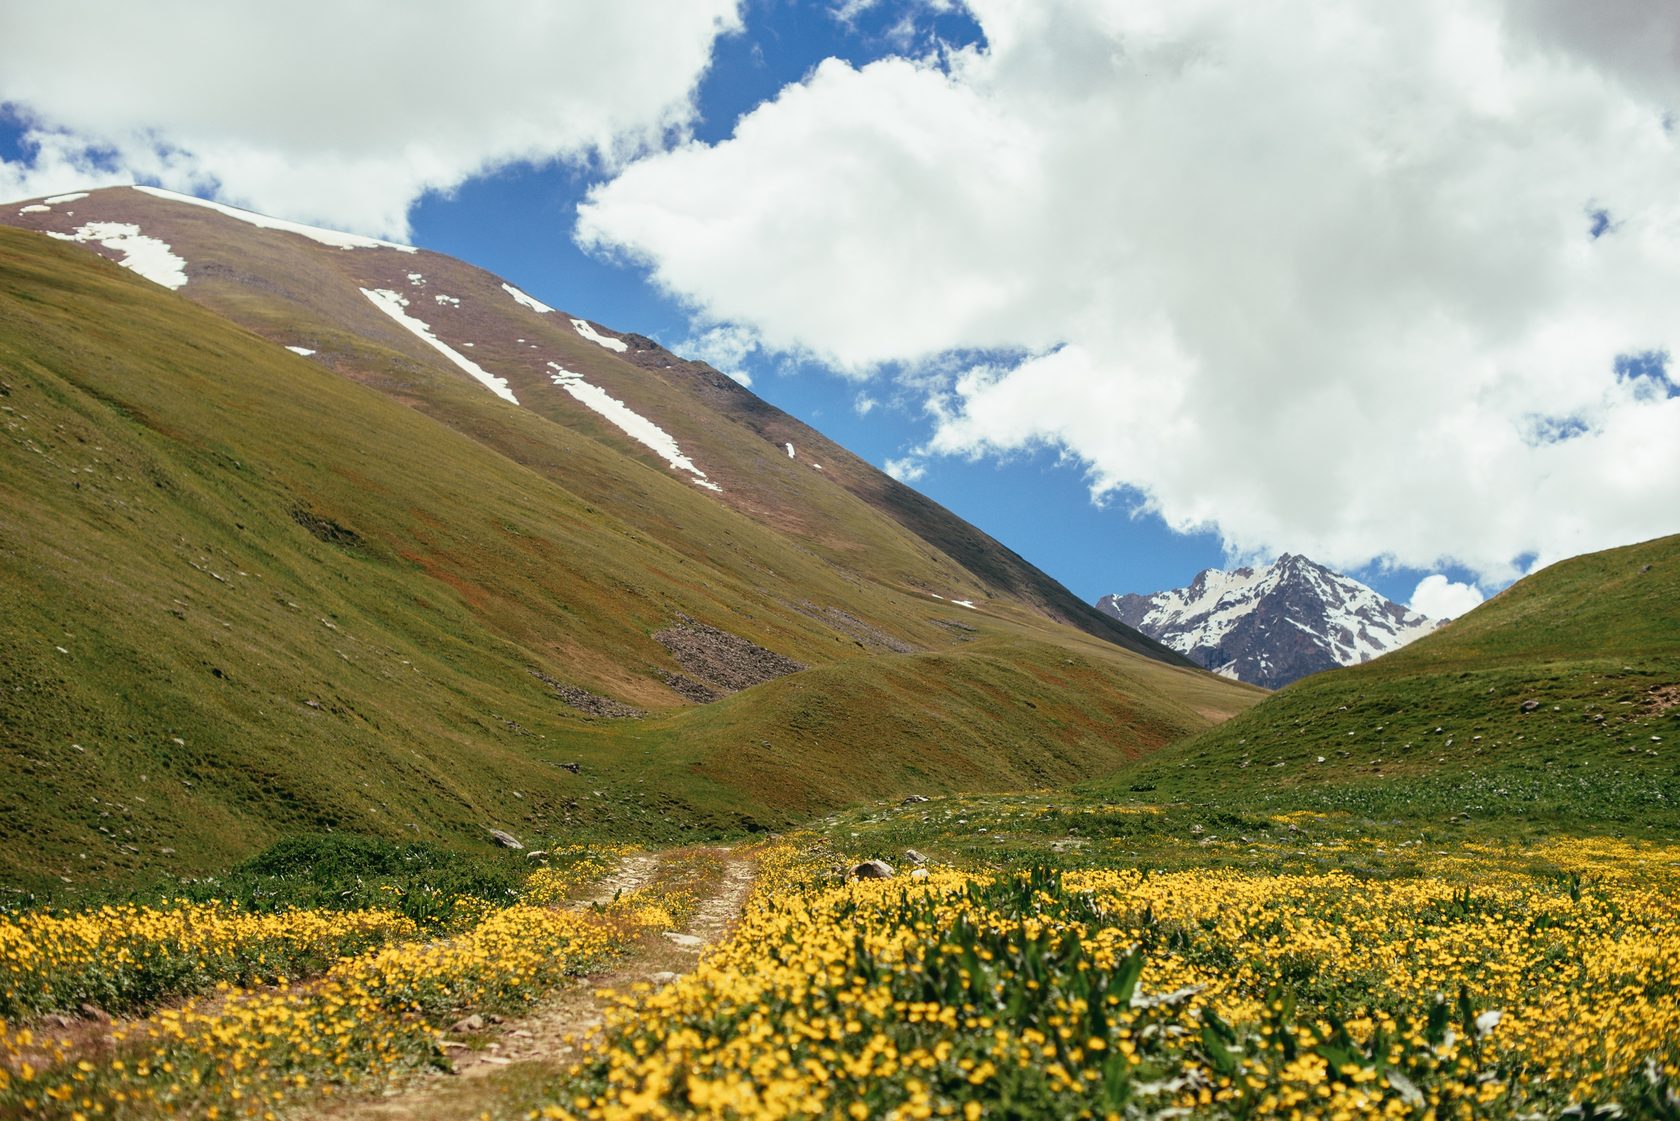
{"x":1272,"y":625}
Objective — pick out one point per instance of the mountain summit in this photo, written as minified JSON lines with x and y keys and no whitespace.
{"x":1269,"y":626}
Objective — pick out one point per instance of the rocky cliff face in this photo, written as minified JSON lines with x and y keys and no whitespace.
{"x":1272,"y":625}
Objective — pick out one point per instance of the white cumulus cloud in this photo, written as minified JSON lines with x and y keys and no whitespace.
{"x":341,"y":114}
{"x":906,"y":469}
{"x":1441,"y":598}
{"x":724,"y":347}
{"x":1322,"y":278}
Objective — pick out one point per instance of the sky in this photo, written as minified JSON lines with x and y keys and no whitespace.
{"x":1138,"y":286}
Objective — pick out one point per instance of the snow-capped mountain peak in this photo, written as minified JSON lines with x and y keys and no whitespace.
{"x":1273,"y":624}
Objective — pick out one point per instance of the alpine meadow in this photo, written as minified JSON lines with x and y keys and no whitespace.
{"x":420,"y":700}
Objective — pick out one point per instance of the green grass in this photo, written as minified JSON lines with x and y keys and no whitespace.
{"x":243,"y":597}
{"x":1549,"y":707}
{"x":1369,"y":769}
{"x":345,"y":872}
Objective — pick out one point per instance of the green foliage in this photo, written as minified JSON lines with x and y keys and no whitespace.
{"x":342,"y":872}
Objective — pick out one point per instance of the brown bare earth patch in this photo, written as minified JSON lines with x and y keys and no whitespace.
{"x":438,"y":568}
{"x":585,"y":701}
{"x":726,"y":662}
{"x":1664,"y":697}
{"x":865,"y":634}
{"x":689,"y":689}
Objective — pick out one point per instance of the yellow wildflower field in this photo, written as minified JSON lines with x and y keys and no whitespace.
{"x":1490,"y":981}
{"x":125,"y":955}
{"x":1204,"y":992}
{"x":250,"y":1050}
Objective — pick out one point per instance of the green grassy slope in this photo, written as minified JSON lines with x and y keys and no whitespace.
{"x":828,"y":503}
{"x":979,"y":557}
{"x":243,"y":596}
{"x":1556,"y":702}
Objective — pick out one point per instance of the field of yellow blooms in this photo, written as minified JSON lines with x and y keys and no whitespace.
{"x":1478,"y":988}
{"x":120,"y":957}
{"x":1490,"y":980}
{"x":246,"y":1050}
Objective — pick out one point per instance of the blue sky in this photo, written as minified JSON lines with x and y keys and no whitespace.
{"x":519,"y":223}
{"x":1391,"y":289}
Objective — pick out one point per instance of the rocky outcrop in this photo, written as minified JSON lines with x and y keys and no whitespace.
{"x":584,"y":701}
{"x":723,"y":662}
{"x":1272,"y":625}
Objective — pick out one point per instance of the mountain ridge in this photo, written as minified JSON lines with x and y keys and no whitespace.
{"x":250,"y":592}
{"x":1271,"y":625}
{"x":247,"y":267}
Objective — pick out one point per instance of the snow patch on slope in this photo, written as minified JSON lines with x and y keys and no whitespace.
{"x":34,"y":208}
{"x":303,"y":350}
{"x":326,"y":237}
{"x":71,"y":197}
{"x":632,"y":423}
{"x":1346,"y":620}
{"x":583,"y":328}
{"x":789,"y":447}
{"x":148,"y":256}
{"x":531,"y":302}
{"x":393,"y":303}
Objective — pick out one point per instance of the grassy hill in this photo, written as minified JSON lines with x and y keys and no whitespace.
{"x":1557,"y":702}
{"x":297,"y":291}
{"x":243,"y":596}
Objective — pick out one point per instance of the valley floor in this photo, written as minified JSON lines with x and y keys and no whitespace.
{"x":1056,"y":956}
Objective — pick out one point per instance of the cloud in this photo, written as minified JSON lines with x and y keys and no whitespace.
{"x":847,"y":11}
{"x":863,"y":404}
{"x":1304,"y":275}
{"x":1441,"y":598}
{"x":342,"y":114}
{"x":906,"y":470}
{"x":725,"y":347}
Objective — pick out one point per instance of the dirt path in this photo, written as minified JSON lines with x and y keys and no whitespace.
{"x":633,"y":872}
{"x":506,"y":1056}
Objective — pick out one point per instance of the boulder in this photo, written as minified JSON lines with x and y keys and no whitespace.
{"x":506,"y":840}
{"x":913,"y":799}
{"x":1529,"y":706}
{"x":872,"y":870}
{"x":914,"y":857}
